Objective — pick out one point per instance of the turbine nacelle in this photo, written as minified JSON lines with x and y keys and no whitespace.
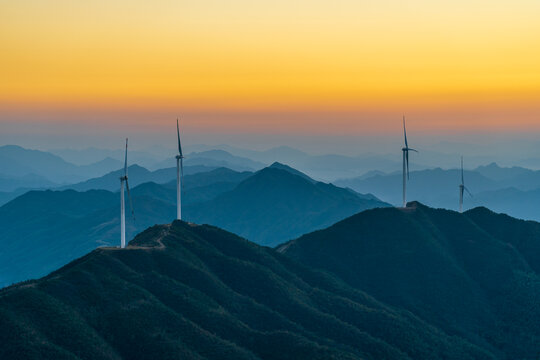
{"x":409,"y":149}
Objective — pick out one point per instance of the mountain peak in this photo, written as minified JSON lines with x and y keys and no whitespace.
{"x":137,"y":167}
{"x":280,"y":195}
{"x":281,"y":166}
{"x":492,"y":165}
{"x":12,"y":147}
{"x":416,"y":204}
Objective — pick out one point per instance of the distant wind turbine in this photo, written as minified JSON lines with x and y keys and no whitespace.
{"x":405,"y":150}
{"x":122,"y":202}
{"x":179,"y":175}
{"x":462,"y":188}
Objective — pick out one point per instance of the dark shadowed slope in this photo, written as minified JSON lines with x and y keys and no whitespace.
{"x":472,"y":274}
{"x":197,"y":292}
{"x":524,"y":236}
{"x":275,"y":204}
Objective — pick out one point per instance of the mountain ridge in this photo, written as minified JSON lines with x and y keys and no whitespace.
{"x":440,"y":265}
{"x":198,"y":292}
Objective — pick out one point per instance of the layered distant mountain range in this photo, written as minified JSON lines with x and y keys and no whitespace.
{"x":511,"y":190}
{"x":270,"y":206}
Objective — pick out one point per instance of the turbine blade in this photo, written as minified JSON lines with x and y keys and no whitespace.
{"x":405,"y":132}
{"x":125,"y":162}
{"x":178,"y":133}
{"x":411,"y":149}
{"x":468,"y":192}
{"x":130,"y":200}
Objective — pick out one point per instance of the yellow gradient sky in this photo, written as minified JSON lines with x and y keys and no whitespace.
{"x":448,"y":64}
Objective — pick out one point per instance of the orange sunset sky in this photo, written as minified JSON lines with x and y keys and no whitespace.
{"x":305,"y":66}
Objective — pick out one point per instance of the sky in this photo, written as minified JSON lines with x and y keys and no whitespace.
{"x":248,"y":69}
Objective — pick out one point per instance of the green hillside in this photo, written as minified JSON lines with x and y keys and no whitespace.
{"x":182,"y":291}
{"x":474,"y":275}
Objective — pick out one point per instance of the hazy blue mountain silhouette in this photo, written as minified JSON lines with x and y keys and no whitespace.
{"x":276,"y":204}
{"x":198,"y":187}
{"x":30,"y":224}
{"x":92,"y":155}
{"x":280,"y":166}
{"x":215,"y":159}
{"x":137,"y":175}
{"x":436,"y":187}
{"x":32,"y":247}
{"x":17,"y":161}
{"x":497,"y":173}
{"x":510,"y":190}
{"x":10,"y":183}
{"x":326,"y":167}
{"x":517,"y":203}
{"x":197,"y":292}
{"x":474,"y":275}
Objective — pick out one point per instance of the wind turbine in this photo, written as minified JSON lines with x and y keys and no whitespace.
{"x":405,"y":150}
{"x":462,"y":188}
{"x":179,"y":175}
{"x":122,"y":202}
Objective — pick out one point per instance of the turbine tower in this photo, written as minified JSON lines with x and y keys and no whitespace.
{"x":462,"y":188}
{"x":179,"y":175}
{"x":405,"y":150}
{"x":123,"y":179}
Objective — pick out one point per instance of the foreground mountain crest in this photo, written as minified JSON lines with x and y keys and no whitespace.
{"x":475,"y":275}
{"x":184,"y":291}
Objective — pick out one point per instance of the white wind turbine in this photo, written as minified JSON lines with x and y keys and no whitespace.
{"x":123,"y":179}
{"x":179,"y":175}
{"x":405,"y":150}
{"x":462,"y":188}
